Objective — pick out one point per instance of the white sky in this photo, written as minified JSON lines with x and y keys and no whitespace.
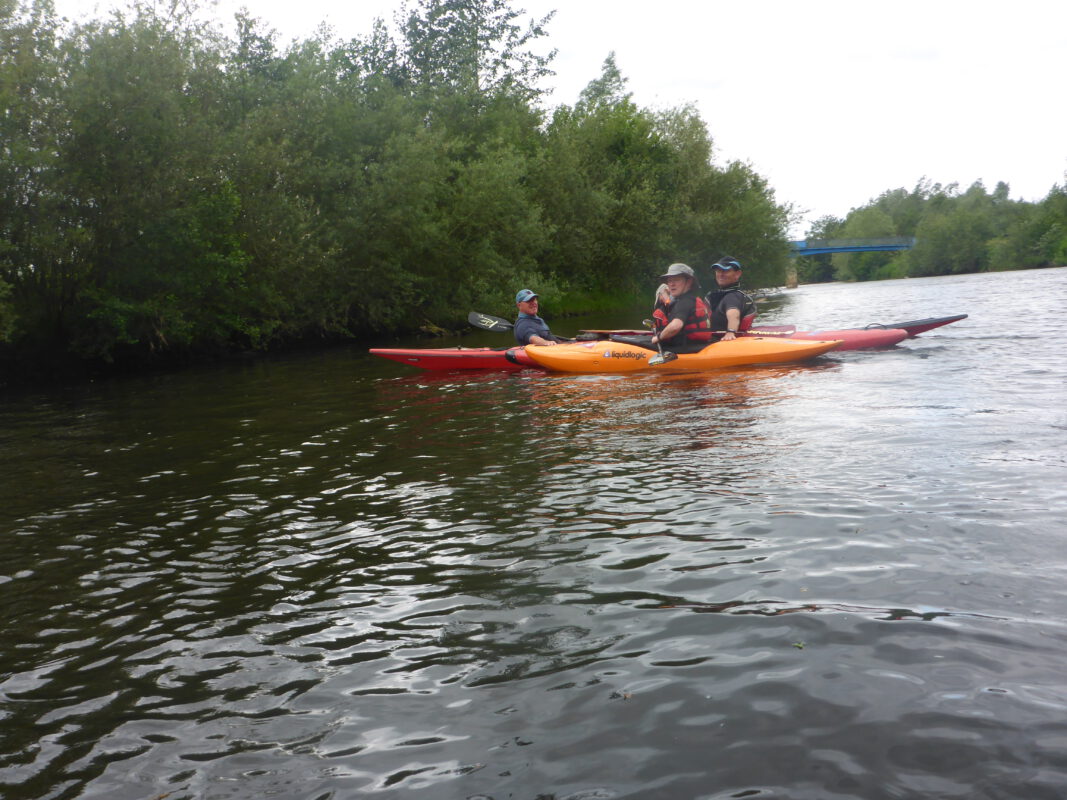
{"x":832,"y":101}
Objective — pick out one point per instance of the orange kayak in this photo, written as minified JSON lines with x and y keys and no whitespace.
{"x":609,"y":356}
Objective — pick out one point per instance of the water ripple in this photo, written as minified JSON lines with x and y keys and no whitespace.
{"x":832,"y":580}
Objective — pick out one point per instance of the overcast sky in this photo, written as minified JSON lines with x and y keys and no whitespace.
{"x":833,"y":102}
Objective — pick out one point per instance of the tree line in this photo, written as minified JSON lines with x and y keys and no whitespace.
{"x":955,"y":232}
{"x":168,"y":190}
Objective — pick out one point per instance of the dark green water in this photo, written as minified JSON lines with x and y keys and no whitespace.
{"x":326,"y":575}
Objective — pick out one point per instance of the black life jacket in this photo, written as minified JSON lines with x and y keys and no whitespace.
{"x":748,"y":310}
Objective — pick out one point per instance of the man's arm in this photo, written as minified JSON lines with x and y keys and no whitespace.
{"x":681,"y":308}
{"x":669,"y":332}
{"x":733,"y":323}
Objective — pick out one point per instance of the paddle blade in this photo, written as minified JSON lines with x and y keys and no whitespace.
{"x":662,"y":358}
{"x":487,"y":322}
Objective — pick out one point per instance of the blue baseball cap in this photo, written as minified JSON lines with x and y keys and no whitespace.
{"x":726,"y":264}
{"x":524,"y":295}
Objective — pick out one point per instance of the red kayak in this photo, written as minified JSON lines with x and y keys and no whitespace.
{"x":855,"y":338}
{"x":874,"y":335}
{"x":912,"y":328}
{"x":505,"y":358}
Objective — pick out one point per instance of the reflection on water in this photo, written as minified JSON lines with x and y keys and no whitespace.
{"x":323,"y":576}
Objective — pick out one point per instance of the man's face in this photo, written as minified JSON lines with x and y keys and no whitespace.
{"x":529,"y":306}
{"x":727,"y":277}
{"x":677,"y":284}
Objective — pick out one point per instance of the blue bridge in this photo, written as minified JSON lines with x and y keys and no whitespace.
{"x":814,"y":247}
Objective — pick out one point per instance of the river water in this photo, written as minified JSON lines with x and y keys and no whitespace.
{"x":327,"y":575}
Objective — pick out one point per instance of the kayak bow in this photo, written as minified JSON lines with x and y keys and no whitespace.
{"x":917,"y":326}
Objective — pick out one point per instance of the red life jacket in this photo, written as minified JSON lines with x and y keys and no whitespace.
{"x":698,"y":327}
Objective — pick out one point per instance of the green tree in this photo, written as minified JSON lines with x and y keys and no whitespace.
{"x":627,"y":191}
{"x":957,"y":232}
{"x":749,"y":223}
{"x":143,"y":100}
{"x":602,"y":184}
{"x":165,"y":191}
{"x":819,"y":268}
{"x":1037,"y":236}
{"x":866,"y":223}
{"x":950,"y":243}
{"x":474,"y":48}
{"x":7,"y":311}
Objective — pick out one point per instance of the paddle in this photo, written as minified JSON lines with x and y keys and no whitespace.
{"x":487,"y":322}
{"x":663,"y":357}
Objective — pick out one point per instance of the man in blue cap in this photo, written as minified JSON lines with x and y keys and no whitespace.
{"x":731,"y":309}
{"x":530,"y":328}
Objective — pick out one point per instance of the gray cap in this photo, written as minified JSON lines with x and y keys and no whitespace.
{"x":678,"y":269}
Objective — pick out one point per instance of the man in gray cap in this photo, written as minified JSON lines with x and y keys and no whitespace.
{"x":688,"y":327}
{"x":530,"y":328}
